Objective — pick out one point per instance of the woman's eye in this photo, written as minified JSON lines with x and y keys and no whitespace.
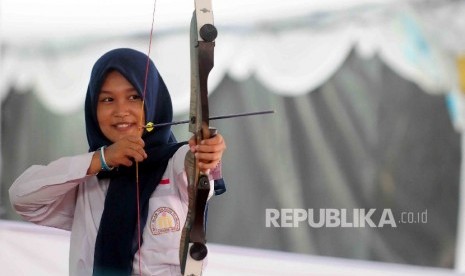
{"x":106,"y":99}
{"x":135,"y":97}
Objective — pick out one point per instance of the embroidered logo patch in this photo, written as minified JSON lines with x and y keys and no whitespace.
{"x":164,"y":220}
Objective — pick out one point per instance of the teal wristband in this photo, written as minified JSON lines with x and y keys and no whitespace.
{"x":103,"y":163}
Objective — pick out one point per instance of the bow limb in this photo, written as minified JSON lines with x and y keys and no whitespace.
{"x":192,"y":248}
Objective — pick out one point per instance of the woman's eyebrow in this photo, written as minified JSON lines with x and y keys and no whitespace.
{"x":127,"y":90}
{"x":105,"y":93}
{"x":132,"y":89}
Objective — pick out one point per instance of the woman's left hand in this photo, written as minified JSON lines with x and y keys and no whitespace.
{"x":209,"y":152}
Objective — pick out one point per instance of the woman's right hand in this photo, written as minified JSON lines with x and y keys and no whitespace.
{"x":125,"y":151}
{"x":121,"y":153}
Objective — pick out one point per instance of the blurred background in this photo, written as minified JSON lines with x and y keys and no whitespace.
{"x":369,"y":111}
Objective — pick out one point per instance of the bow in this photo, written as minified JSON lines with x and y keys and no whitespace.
{"x":193,"y":250}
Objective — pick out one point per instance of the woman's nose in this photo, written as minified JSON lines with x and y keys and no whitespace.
{"x":121,"y":109}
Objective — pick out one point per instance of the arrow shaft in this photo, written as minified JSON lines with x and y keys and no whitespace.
{"x":214,"y":118}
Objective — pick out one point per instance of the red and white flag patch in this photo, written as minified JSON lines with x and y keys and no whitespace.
{"x":165,"y":181}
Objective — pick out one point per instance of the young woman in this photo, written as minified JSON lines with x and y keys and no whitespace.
{"x":94,"y":194}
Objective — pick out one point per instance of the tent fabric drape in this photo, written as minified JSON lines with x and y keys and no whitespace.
{"x":278,"y":54}
{"x":381,"y":143}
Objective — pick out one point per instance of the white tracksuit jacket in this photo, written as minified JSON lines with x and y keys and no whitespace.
{"x":61,"y":195}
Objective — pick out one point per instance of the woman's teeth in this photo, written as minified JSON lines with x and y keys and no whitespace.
{"x":123,"y":125}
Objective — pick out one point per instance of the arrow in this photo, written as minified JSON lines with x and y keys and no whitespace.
{"x":150,"y":126}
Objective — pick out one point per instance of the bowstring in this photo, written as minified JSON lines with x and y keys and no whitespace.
{"x":147,"y":66}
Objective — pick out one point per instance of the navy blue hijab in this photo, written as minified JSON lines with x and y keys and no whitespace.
{"x":116,"y":241}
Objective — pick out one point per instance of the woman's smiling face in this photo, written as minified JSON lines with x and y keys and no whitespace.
{"x":119,"y":108}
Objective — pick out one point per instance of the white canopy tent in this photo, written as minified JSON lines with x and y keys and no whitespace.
{"x":23,"y":20}
{"x":38,"y":38}
{"x":51,"y":45}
